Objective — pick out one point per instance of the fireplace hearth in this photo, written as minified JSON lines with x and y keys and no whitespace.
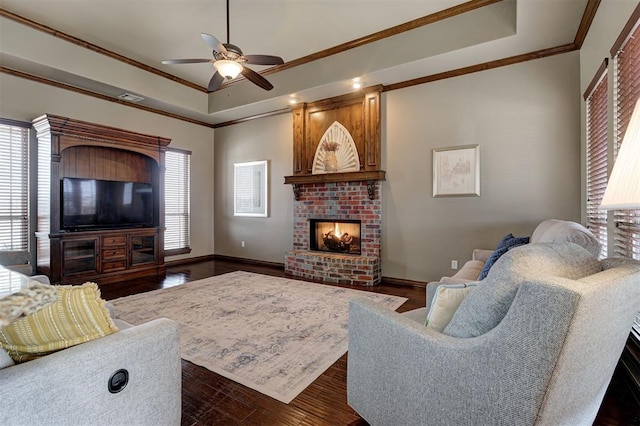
{"x":335,"y":236}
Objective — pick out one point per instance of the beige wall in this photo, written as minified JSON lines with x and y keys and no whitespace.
{"x":525,"y":119}
{"x":24,"y":100}
{"x":268,"y":238}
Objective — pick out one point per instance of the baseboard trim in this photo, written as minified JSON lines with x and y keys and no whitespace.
{"x":401,"y":282}
{"x":398,"y":282}
{"x":254,"y":262}
{"x":189,"y":260}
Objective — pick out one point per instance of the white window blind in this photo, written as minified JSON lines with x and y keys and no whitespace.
{"x":596,"y":103}
{"x":177,"y":202}
{"x":626,"y":57}
{"x":14,"y":185}
{"x":626,"y":61}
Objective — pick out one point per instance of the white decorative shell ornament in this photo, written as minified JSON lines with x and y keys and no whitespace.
{"x":346,"y":152}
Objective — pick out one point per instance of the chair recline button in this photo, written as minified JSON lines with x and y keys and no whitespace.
{"x":118,"y":381}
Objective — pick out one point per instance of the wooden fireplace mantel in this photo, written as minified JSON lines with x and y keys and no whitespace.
{"x":372,"y":175}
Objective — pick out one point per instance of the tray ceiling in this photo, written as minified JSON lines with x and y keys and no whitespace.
{"x":148,"y":31}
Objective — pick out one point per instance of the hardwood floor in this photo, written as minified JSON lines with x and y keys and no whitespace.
{"x":210,"y":399}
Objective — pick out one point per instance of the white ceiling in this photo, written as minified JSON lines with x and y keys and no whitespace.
{"x":149,"y":31}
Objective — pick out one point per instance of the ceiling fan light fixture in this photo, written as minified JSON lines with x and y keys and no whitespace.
{"x":227,"y":68}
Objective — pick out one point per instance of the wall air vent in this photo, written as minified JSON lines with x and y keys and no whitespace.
{"x":131,"y":98}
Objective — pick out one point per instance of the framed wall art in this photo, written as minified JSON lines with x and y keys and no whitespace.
{"x":456,"y":171}
{"x":250,"y":188}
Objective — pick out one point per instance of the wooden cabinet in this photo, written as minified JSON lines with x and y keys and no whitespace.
{"x":69,"y":148}
{"x":113,"y":253}
{"x":80,"y":255}
{"x":359,"y":113}
{"x":106,"y":256}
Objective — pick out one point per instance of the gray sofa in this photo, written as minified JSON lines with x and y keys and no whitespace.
{"x":548,"y":231}
{"x":70,"y":387}
{"x":535,"y":343}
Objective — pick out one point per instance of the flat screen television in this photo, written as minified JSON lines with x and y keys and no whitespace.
{"x":104,"y":204}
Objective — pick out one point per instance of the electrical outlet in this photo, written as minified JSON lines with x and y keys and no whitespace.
{"x":241,"y":243}
{"x":454,"y":264}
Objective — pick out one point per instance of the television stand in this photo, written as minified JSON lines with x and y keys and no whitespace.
{"x":104,"y":256}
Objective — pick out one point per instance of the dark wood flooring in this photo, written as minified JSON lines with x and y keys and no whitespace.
{"x":210,"y":399}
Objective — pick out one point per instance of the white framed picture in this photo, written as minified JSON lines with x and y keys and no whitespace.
{"x":456,"y":171}
{"x":250,"y":183}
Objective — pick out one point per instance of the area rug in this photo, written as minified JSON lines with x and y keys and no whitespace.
{"x":274,"y":335}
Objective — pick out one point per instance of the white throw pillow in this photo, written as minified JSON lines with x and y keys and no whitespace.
{"x":5,"y":359}
{"x":444,"y":304}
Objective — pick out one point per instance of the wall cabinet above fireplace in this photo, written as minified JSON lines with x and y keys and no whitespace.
{"x":359,"y":114}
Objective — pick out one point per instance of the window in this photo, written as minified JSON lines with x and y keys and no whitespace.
{"x":596,"y":102}
{"x":626,"y":59}
{"x":14,"y":185}
{"x":177,"y":202}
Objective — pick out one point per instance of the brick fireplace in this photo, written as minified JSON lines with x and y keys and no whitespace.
{"x":337,"y":201}
{"x":337,"y":178}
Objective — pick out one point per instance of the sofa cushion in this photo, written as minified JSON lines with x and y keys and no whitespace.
{"x":506,"y":244}
{"x":557,"y":231}
{"x":78,"y":315}
{"x":484,"y":308}
{"x":444,"y":304}
{"x":26,"y":301}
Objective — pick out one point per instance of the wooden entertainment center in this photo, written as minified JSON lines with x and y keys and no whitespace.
{"x":69,"y":148}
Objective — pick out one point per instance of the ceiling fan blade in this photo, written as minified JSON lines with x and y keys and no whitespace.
{"x":256,"y":78}
{"x":186,"y":61}
{"x":264,"y":60}
{"x":215,"y":82}
{"x":214,"y":43}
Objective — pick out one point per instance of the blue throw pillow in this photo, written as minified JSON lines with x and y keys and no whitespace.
{"x":507,"y":243}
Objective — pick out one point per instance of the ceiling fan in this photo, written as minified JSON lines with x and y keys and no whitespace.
{"x":229,"y":61}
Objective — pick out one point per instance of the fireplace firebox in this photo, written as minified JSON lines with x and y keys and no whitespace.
{"x":337,"y":236}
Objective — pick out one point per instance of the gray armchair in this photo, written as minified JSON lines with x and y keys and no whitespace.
{"x":538,"y":341}
{"x":70,"y":387}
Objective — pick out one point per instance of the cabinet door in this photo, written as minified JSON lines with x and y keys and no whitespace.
{"x":79,"y":256}
{"x":143,"y":249}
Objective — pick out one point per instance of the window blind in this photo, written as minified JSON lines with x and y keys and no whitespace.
{"x":177,"y":202}
{"x":626,"y":92}
{"x":626,"y":61}
{"x":14,"y":185}
{"x":596,"y":120}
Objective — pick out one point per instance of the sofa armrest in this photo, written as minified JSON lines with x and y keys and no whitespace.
{"x":482,"y":254}
{"x":392,"y":356}
{"x":70,"y":386}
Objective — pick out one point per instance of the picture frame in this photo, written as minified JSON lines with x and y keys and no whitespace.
{"x":456,"y":171}
{"x":250,"y":188}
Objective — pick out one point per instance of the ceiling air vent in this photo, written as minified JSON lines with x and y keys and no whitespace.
{"x":131,"y":98}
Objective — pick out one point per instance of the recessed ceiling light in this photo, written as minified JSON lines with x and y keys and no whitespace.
{"x":130,"y":97}
{"x":356,"y":83}
{"x":293,"y":100}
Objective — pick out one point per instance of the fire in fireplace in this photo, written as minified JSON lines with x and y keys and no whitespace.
{"x":341,"y":236}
